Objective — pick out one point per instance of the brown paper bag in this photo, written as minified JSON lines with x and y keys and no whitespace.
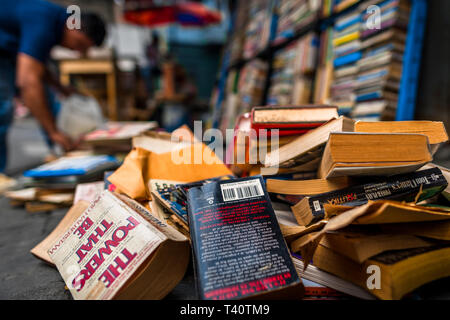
{"x":141,"y":165}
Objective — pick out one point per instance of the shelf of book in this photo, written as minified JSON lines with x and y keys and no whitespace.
{"x":411,"y":61}
{"x":324,"y":20}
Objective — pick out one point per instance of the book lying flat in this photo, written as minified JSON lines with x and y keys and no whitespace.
{"x":307,"y":147}
{"x":291,"y":117}
{"x":239,"y":250}
{"x":116,"y":132}
{"x":398,"y":187}
{"x":306,"y":187}
{"x":117,"y":250}
{"x":312,"y":273}
{"x":371,"y":154}
{"x":73,"y":166}
{"x":401,"y":271}
{"x":434,"y":130}
{"x":362,"y":244}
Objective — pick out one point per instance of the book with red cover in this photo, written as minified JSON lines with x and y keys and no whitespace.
{"x":291,"y":120}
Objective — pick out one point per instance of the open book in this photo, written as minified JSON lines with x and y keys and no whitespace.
{"x":117,"y":250}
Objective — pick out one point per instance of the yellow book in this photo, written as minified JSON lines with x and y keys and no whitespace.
{"x":347,"y":38}
{"x":400,"y":271}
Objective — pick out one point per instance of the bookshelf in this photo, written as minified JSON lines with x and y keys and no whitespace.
{"x":412,"y":56}
{"x":322,"y":20}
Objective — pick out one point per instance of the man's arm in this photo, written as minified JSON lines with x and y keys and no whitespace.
{"x":30,"y":74}
{"x":53,"y":81}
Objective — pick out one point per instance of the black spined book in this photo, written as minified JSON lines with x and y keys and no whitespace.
{"x":239,"y":250}
{"x":402,"y":187}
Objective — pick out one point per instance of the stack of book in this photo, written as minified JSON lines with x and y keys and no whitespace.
{"x":380,"y":67}
{"x":292,"y":75}
{"x":258,"y":30}
{"x":116,"y":136}
{"x":294,"y":15}
{"x":54,"y":184}
{"x":340,"y":5}
{"x":346,"y":51}
{"x":244,"y":89}
{"x":118,"y":245}
{"x":254,"y":134}
{"x":361,"y":200}
{"x":324,"y":72}
{"x":377,"y":179}
{"x":235,"y":44}
{"x":251,"y":85}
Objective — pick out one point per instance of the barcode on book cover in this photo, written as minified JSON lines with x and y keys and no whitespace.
{"x":316,"y":205}
{"x":241,"y":190}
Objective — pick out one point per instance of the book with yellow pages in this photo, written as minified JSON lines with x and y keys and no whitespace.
{"x":307,"y":147}
{"x":434,"y":130}
{"x":306,"y":187}
{"x":117,"y":250}
{"x":360,"y":244}
{"x":372,"y":154}
{"x":427,"y":183}
{"x":400,"y":271}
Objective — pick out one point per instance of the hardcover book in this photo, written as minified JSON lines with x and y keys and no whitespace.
{"x":291,"y":117}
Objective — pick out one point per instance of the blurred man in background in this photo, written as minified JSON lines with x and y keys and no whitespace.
{"x":28,"y":31}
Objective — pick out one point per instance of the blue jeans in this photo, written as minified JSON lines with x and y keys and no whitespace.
{"x":7,"y":92}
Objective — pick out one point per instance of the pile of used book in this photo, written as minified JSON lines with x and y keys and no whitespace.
{"x":329,"y":208}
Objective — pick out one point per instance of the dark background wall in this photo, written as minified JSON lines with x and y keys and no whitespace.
{"x":433,"y":96}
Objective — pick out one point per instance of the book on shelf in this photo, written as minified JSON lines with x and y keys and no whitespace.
{"x":116,"y":249}
{"x":405,"y":187}
{"x":239,"y":250}
{"x":365,"y":154}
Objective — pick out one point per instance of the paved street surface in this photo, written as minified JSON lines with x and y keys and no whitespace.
{"x":22,"y":276}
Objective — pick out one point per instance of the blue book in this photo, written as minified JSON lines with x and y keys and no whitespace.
{"x":73,"y":166}
{"x":349,"y":58}
{"x":372,"y":75}
{"x":339,"y":26}
{"x":369,"y":96}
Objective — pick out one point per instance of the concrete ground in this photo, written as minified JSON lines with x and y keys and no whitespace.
{"x":22,"y":276}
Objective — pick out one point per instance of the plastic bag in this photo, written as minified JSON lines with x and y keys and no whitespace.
{"x":79,"y":115}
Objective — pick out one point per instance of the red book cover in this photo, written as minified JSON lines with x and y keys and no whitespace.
{"x":293,"y":127}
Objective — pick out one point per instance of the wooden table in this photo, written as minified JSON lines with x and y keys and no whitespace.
{"x":93,"y":66}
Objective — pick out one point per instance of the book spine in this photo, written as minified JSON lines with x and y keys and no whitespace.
{"x":399,"y":187}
